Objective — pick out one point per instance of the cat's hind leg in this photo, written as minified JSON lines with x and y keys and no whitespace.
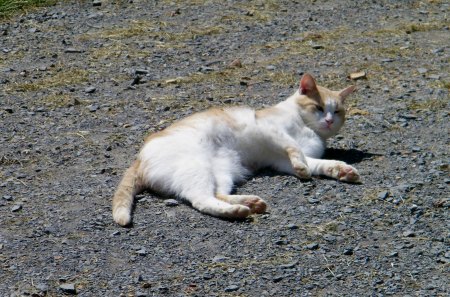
{"x":255,"y":203}
{"x":213,"y":206}
{"x":224,"y":185}
{"x":335,"y":169}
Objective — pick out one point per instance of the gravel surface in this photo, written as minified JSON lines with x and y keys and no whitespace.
{"x":83,"y":82}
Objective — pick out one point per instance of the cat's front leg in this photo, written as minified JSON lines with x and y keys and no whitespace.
{"x":298,"y":162}
{"x":335,"y":169}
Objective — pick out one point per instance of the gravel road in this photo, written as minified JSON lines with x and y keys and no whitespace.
{"x":82,"y":83}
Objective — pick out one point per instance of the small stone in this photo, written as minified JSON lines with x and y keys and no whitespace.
{"x":140,"y":294}
{"x":383,"y":195}
{"x":271,"y":67}
{"x":329,"y":237}
{"x":434,"y":76}
{"x":96,"y":3}
{"x":68,"y":288}
{"x":348,"y":252}
{"x":115,"y":233}
{"x":142,"y":252}
{"x":8,"y":198}
{"x":72,"y":50}
{"x":90,"y":90}
{"x":206,"y":69}
{"x":141,"y":71}
{"x":422,"y":70}
{"x":171,"y":202}
{"x":219,"y":259}
{"x":312,"y":246}
{"x":236,"y":64}
{"x":408,"y":116}
{"x":409,"y":233}
{"x":437,"y":50}
{"x":358,"y":75}
{"x":393,"y":255}
{"x":388,"y":60}
{"x":8,"y":109}
{"x":42,"y":287}
{"x":231,"y":288}
{"x":317,"y":46}
{"x":289,"y":265}
{"x":292,"y":227}
{"x":313,"y":200}
{"x":93,"y":108}
{"x":16,"y":208}
{"x":278,"y":278}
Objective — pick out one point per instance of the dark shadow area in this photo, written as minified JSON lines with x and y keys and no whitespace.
{"x":349,"y":156}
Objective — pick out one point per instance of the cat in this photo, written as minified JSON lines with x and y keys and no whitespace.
{"x":201,"y":157}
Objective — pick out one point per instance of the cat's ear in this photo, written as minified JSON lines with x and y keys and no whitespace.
{"x":307,"y":85}
{"x":347,"y":91}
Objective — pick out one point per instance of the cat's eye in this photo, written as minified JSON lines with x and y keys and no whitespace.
{"x":337,"y":111}
{"x":319,"y":108}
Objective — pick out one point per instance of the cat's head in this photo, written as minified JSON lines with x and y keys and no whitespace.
{"x":321,"y":109}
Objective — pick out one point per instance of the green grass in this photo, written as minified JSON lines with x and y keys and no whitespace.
{"x":9,"y":7}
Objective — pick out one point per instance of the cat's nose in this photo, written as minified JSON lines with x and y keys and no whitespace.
{"x":329,"y":121}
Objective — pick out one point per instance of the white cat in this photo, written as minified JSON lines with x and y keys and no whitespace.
{"x":200,"y":158}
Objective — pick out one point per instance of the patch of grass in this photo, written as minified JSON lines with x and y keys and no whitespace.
{"x":433,"y":104}
{"x":408,"y":28}
{"x":9,"y":7}
{"x":154,"y":29}
{"x":56,"y":100}
{"x":62,"y":78}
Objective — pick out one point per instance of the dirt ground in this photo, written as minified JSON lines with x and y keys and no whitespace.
{"x":83,"y":82}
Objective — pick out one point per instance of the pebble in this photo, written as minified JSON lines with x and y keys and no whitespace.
{"x":358,"y":75}
{"x":409,"y":233}
{"x":8,"y":198}
{"x":348,"y":252}
{"x":278,"y":278}
{"x":231,"y":288}
{"x":236,"y":64}
{"x":317,"y":46}
{"x":312,"y":246}
{"x":329,"y":237}
{"x":42,"y":287}
{"x":313,"y":200}
{"x":141,"y":71}
{"x":90,"y":90}
{"x":68,"y":288}
{"x":142,"y":252}
{"x":434,"y":76}
{"x":422,"y":70}
{"x":271,"y":67}
{"x":93,"y":108}
{"x":219,"y":259}
{"x":72,"y":50}
{"x":16,"y":208}
{"x":292,"y":227}
{"x":383,"y":195}
{"x":171,"y":202}
{"x":96,"y":3}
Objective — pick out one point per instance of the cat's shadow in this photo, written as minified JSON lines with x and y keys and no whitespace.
{"x":349,"y":156}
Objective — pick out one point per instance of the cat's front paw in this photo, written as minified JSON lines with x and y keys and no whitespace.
{"x":343,"y":172}
{"x":302,"y":171}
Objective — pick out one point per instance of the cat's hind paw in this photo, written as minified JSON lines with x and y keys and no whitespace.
{"x":256,"y":204}
{"x":302,"y":171}
{"x":343,"y":172}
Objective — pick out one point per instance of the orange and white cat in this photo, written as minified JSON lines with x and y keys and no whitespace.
{"x":199,"y":158}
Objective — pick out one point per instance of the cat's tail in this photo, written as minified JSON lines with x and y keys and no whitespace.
{"x":129,"y":186}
